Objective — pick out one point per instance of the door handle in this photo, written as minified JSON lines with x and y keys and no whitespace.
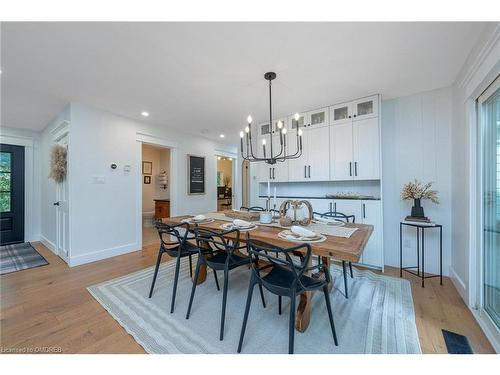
{"x":305,"y":171}
{"x":309,"y":171}
{"x":56,"y":203}
{"x":355,"y":168}
{"x":350,"y":169}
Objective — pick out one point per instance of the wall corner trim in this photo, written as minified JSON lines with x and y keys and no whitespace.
{"x":459,"y":285}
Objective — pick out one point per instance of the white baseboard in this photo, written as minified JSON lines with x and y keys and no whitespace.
{"x":49,"y":244}
{"x":459,"y":285}
{"x":103,"y":254}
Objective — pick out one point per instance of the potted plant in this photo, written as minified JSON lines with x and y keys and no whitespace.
{"x":417,"y":191}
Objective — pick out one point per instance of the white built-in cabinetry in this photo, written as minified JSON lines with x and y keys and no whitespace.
{"x":340,"y":143}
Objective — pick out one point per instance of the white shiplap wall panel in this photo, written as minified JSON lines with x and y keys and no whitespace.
{"x":417,"y":144}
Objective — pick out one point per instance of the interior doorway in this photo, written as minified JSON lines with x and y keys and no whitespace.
{"x":156,"y":183}
{"x":225,"y":183}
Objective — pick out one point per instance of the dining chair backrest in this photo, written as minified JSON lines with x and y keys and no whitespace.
{"x":336,"y":216}
{"x":172,"y":236}
{"x":253,"y":208}
{"x":217,"y":241}
{"x":275,"y":256}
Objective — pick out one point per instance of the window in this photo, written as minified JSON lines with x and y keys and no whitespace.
{"x":5,"y":181}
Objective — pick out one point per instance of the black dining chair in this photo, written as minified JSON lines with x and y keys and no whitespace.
{"x":219,"y":253}
{"x":339,"y":216}
{"x":253,"y":208}
{"x":174,"y":242}
{"x":283,"y":276}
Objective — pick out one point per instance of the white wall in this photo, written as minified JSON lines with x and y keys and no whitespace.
{"x":416,"y":143}
{"x":31,"y":142}
{"x":104,"y":217}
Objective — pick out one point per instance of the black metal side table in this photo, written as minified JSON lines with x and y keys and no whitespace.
{"x":420,"y":228}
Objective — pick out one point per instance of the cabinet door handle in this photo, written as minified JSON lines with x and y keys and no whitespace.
{"x":350,"y":169}
{"x":309,"y":171}
{"x":354,"y":115}
{"x":274,"y":170}
{"x":364,"y":211}
{"x":270,"y":175}
{"x":330,"y":206}
{"x":349,"y":116}
{"x":335,"y":206}
{"x":305,"y":171}
{"x":355,"y":168}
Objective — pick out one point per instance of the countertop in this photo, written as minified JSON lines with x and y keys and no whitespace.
{"x":364,"y":198}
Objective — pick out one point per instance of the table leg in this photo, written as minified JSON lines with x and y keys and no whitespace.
{"x":441,"y":255}
{"x":418,"y":252}
{"x":423,"y":259}
{"x":400,"y":250}
{"x":303,"y":315}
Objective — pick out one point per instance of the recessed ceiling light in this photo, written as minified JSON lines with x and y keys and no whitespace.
{"x":222,"y":135}
{"x":219,"y":158}
{"x":145,"y":114}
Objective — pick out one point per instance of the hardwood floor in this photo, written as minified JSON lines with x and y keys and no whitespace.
{"x":50,"y":307}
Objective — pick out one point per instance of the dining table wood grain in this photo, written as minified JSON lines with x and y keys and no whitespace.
{"x":340,"y":248}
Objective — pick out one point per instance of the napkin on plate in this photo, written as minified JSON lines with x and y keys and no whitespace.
{"x":241,"y":223}
{"x":199,"y":218}
{"x":302,"y":232}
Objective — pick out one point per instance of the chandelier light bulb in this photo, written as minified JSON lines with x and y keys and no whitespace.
{"x":280,"y":124}
{"x":296,"y":117}
{"x":283,"y":131}
{"x":300,"y":132}
{"x":249,"y":119}
{"x":242,"y":134}
{"x":247,"y":129}
{"x":263,"y":142}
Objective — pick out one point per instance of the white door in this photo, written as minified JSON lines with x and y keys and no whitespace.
{"x":341,"y":160}
{"x":318,"y":152}
{"x":366,"y":149}
{"x":371,"y":214}
{"x":62,"y":210}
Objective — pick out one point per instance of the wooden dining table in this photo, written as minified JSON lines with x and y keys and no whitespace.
{"x":340,"y":248}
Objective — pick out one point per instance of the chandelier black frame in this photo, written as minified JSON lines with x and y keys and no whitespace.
{"x":282,"y":155}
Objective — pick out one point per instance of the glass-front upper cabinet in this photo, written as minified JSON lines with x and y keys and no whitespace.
{"x":340,"y":113}
{"x":264,"y":129}
{"x":292,"y":123}
{"x":365,"y":108}
{"x":317,"y":118}
{"x":276,"y":125}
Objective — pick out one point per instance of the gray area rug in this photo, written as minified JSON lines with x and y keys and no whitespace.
{"x":377,"y":318}
{"x":19,"y":257}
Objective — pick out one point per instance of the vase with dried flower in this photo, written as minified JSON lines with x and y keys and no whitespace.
{"x":417,"y":191}
{"x":58,"y":163}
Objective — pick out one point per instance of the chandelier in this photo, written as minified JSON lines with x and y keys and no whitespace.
{"x":271,"y":158}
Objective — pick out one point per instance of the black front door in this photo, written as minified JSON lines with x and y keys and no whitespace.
{"x":11,"y":194}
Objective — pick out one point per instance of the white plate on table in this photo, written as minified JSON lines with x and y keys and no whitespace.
{"x":191,"y":220}
{"x":230,"y":226}
{"x":289,"y":236}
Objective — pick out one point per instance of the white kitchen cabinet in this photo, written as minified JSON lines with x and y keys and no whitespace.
{"x":263,"y":129}
{"x":366,"y":149}
{"x":341,"y":155}
{"x":341,"y":113}
{"x":313,"y":164}
{"x":355,"y":153}
{"x":371,"y":213}
{"x":292,"y":124}
{"x":319,"y":205}
{"x":317,"y":118}
{"x":348,"y":207}
{"x":365,"y":108}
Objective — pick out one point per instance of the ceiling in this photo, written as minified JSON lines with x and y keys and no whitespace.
{"x":207,"y":77}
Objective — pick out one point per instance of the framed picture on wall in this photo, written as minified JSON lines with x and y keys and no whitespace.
{"x":147,"y":167}
{"x":196,"y":175}
{"x":147,"y":180}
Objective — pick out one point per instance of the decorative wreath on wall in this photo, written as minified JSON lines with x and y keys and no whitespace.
{"x":58,"y":163}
